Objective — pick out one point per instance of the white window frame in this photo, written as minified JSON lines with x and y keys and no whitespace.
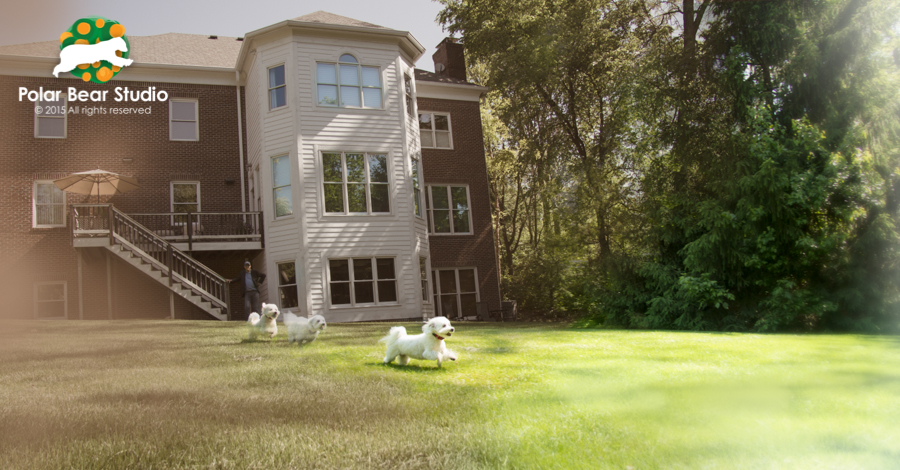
{"x":410,"y":93}
{"x":436,"y":290}
{"x":279,"y":285}
{"x":337,"y":71}
{"x":352,"y":281}
{"x":423,"y":274}
{"x":65,"y":299}
{"x":172,"y":201}
{"x":34,"y":204}
{"x":416,"y":184}
{"x":290,"y":185}
{"x":434,"y":131}
{"x":196,"y":120}
{"x":64,"y":117}
{"x":429,"y":208}
{"x":345,"y":183}
{"x":270,"y":87}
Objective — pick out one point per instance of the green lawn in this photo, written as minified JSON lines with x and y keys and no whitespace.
{"x":179,"y":394}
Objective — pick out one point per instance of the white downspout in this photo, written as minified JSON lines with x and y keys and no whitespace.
{"x":237,"y":87}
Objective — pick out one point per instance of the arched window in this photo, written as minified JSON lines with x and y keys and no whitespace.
{"x":348,"y":84}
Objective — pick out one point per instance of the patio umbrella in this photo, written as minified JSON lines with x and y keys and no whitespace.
{"x":97,"y":182}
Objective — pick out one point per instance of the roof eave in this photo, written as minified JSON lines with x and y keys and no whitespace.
{"x":408,"y":43}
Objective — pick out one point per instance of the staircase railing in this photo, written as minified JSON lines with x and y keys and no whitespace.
{"x":174,"y":263}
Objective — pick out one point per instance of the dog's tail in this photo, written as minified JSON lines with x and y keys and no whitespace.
{"x":289,"y":317}
{"x":253,"y":319}
{"x":396,"y":333}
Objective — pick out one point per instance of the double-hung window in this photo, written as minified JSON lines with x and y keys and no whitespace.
{"x":281,"y":186}
{"x":183,"y":121}
{"x":362,"y":281}
{"x":50,"y":119}
{"x":185,"y":199}
{"x":417,"y":188}
{"x":356,"y":183}
{"x":287,"y":286}
{"x":448,"y":210}
{"x":407,"y":87}
{"x":49,"y":205}
{"x":348,"y":84}
{"x":423,"y":275}
{"x":50,"y":299}
{"x":277,"y":88}
{"x":434,"y":130}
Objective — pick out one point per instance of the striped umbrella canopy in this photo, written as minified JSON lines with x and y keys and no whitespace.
{"x":99,"y":182}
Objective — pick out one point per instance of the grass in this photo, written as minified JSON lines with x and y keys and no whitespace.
{"x":178,"y":394}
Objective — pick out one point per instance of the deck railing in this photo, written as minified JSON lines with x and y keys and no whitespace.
{"x":98,"y":220}
{"x":193,"y":227}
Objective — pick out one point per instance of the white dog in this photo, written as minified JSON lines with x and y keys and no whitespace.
{"x":428,"y":346}
{"x":76,"y":54}
{"x":302,"y":329}
{"x":264,"y":324}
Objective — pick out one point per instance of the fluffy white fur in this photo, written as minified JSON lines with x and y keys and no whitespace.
{"x":265,"y":323}
{"x":302,"y":329}
{"x":75,"y":54}
{"x":427,"y":346}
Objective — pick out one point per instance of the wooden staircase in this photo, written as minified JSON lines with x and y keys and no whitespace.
{"x":151,"y":254}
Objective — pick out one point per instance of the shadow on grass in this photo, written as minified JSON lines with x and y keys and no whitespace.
{"x":419,"y":367}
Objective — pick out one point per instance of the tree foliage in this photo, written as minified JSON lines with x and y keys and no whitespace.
{"x":694,"y":164}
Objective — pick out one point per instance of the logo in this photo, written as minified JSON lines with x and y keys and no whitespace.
{"x":94,"y":49}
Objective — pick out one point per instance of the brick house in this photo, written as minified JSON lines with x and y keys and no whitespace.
{"x":311,"y":147}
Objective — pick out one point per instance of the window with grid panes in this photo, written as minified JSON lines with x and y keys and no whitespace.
{"x":362,"y":281}
{"x":355,"y":183}
{"x":349,"y":84}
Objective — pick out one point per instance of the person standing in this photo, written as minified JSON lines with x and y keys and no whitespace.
{"x":250,"y":280}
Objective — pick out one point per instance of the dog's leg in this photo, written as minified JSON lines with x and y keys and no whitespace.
{"x":403,"y":360}
{"x":390,"y":355}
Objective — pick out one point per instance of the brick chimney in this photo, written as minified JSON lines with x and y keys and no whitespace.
{"x":449,"y":60}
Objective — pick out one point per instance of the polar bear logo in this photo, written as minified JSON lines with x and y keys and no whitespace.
{"x":74,"y":55}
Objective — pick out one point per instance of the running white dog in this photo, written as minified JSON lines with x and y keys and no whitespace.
{"x":427,"y":346}
{"x":302,"y":329}
{"x":76,"y":54}
{"x":264,"y":324}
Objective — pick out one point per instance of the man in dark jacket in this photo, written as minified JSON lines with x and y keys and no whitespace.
{"x":250,"y":280}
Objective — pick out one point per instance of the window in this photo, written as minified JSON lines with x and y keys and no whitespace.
{"x":355,"y":183}
{"x":183,"y":122}
{"x":281,"y":186}
{"x":287,"y":286}
{"x":348,"y":84}
{"x":362,"y":281}
{"x":455,"y":292}
{"x":277,"y":89}
{"x":50,"y":122}
{"x":407,"y":86}
{"x":434,"y":130}
{"x":448,"y":209}
{"x":50,"y":299}
{"x":417,"y":189}
{"x":423,"y":275}
{"x":49,"y":205}
{"x":185,"y":198}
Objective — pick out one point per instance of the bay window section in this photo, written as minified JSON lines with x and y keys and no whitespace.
{"x":355,"y":183}
{"x":362,"y":281}
{"x":281,"y":186}
{"x":348,"y":84}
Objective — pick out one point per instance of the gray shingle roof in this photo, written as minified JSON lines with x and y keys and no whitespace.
{"x":426,"y":76}
{"x":182,"y":49}
{"x":170,"y":49}
{"x":330,"y":18}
